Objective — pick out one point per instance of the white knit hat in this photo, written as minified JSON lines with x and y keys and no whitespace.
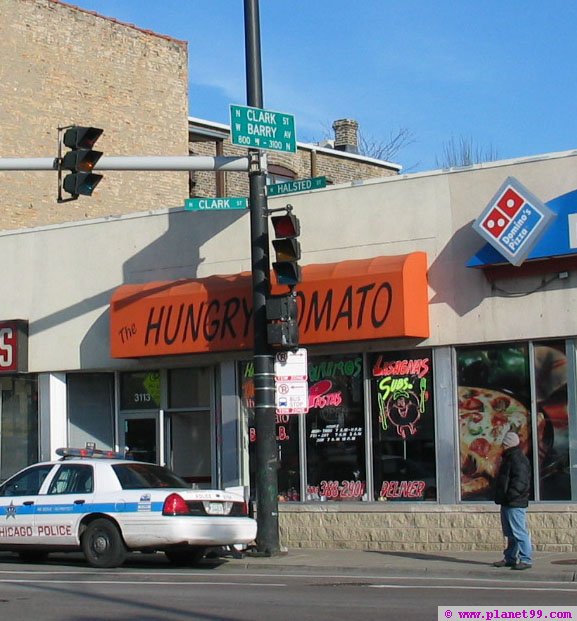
{"x":511,"y":439}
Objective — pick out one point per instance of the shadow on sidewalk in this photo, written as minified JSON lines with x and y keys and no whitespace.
{"x":429,"y":557}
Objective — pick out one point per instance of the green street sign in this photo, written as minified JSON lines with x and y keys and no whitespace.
{"x":211,"y":204}
{"x":300,"y":185}
{"x":256,"y":128}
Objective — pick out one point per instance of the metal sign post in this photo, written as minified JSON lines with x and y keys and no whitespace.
{"x":267,"y":538}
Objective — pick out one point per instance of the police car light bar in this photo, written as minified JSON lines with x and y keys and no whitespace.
{"x":88,"y":452}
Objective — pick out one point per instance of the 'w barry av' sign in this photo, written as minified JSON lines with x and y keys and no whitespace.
{"x":513,"y":221}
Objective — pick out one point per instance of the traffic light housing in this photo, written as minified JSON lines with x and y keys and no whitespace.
{"x":80,"y":160}
{"x":282,"y":326}
{"x":287,"y":249}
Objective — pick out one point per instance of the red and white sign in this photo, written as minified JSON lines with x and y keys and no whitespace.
{"x":513,"y":221}
{"x":13,"y":346}
{"x":292,"y":397}
{"x":291,"y":365}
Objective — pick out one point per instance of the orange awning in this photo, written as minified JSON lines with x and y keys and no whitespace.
{"x":356,"y":300}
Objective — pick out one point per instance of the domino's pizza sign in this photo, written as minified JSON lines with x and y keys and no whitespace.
{"x":513,"y":221}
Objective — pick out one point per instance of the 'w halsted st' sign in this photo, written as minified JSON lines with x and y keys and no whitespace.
{"x":513,"y":221}
{"x":256,"y":128}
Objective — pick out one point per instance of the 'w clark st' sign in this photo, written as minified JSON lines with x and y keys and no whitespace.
{"x":366,"y":299}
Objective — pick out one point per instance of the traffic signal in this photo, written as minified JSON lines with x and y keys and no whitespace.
{"x":287,"y":248}
{"x":282,"y":327}
{"x":81,"y":160}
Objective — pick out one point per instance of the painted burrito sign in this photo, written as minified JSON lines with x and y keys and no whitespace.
{"x":363,"y":299}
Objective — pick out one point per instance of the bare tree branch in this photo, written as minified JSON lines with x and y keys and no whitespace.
{"x":464,"y":152}
{"x":386,"y":149}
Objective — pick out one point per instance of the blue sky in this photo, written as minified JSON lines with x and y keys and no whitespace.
{"x":498,"y":73}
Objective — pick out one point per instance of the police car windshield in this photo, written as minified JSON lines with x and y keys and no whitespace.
{"x":147,"y":476}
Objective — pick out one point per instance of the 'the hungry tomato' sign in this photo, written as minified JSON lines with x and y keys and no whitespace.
{"x":513,"y":221}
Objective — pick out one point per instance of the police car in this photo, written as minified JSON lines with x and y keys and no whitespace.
{"x":106,"y":506}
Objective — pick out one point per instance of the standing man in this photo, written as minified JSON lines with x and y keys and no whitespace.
{"x":512,"y":488}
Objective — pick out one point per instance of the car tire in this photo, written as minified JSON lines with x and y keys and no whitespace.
{"x":185,"y":557}
{"x":102,"y":544}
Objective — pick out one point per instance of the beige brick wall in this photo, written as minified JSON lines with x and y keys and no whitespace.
{"x":423,"y":529}
{"x":337,"y":168}
{"x":60,"y":66}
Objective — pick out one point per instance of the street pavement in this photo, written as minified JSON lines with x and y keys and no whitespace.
{"x":548,"y":566}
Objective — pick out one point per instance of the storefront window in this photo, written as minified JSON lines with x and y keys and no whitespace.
{"x":91,"y":409}
{"x":18,"y":423}
{"x":335,"y":429}
{"x":140,"y":390}
{"x":287,"y":435}
{"x":189,"y":387}
{"x":550,"y":365}
{"x":494,"y":397}
{"x":403,"y":426}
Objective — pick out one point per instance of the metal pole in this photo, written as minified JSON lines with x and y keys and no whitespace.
{"x":146,"y":162}
{"x":267,"y":538}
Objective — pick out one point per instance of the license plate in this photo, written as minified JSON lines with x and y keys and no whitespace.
{"x":216,"y":508}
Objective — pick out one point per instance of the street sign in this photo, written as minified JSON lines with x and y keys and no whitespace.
{"x":291,"y":365}
{"x":210,"y":204}
{"x":292,"y":397}
{"x":300,"y":185}
{"x":262,"y":129}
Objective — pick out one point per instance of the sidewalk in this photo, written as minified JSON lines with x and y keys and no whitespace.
{"x":548,"y":566}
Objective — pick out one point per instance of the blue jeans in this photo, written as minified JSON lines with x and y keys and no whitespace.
{"x":514,"y":525}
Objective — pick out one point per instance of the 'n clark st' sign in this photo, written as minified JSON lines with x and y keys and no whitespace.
{"x":365,"y":299}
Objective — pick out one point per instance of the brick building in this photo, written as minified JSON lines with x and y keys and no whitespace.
{"x":63,"y":65}
{"x":338,"y":160}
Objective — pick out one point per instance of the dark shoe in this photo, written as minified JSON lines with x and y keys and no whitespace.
{"x":504,"y":563}
{"x":521,"y":566}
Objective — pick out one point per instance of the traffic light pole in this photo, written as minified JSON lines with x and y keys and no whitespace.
{"x":267,"y":538}
{"x":129,"y":162}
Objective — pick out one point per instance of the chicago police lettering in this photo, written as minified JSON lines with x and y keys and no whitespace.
{"x":46,"y":530}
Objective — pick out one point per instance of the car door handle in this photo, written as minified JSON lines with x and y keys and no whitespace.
{"x":81,"y":501}
{"x":28,"y":502}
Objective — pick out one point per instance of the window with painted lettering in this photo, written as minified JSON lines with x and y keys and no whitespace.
{"x":403,"y":426}
{"x":335,"y":429}
{"x":287,"y":436}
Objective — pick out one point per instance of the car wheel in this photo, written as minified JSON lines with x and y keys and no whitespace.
{"x":33,"y":556}
{"x":185,"y":557}
{"x":102,"y":544}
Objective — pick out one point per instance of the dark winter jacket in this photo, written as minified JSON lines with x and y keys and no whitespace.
{"x":513,"y":482}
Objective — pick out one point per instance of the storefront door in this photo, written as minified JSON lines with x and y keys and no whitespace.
{"x":168,"y":418}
